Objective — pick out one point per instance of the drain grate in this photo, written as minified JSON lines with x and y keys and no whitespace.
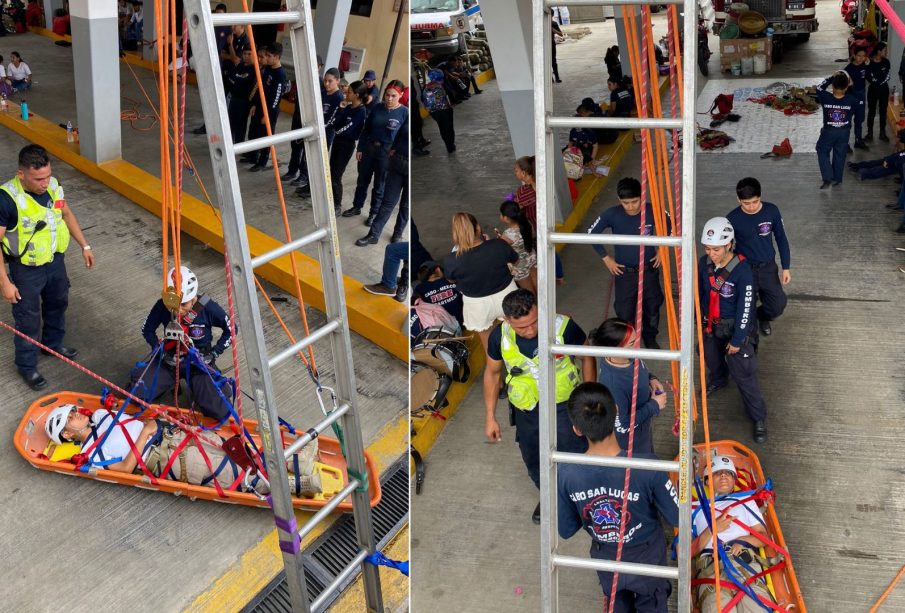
{"x":332,"y":551}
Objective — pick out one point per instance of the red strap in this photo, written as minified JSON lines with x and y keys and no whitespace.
{"x":740,"y":594}
{"x":713,"y":310}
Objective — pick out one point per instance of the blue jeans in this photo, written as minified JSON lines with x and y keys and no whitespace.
{"x":393,"y":255}
{"x":831,"y":149}
{"x":21,"y":86}
{"x":44,"y":292}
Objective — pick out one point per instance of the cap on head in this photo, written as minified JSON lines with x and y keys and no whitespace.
{"x":717,"y":232}
{"x":189,"y":282}
{"x":370,"y":75}
{"x":722,"y":462}
{"x":56,"y":421}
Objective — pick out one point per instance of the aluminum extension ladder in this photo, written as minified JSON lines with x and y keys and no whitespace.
{"x":223,"y":157}
{"x":547,"y":238}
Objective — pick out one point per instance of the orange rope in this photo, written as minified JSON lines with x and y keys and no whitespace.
{"x":889,"y":589}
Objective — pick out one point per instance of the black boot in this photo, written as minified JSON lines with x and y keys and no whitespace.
{"x":370,"y":219}
{"x":760,"y":431}
{"x":366,"y":240}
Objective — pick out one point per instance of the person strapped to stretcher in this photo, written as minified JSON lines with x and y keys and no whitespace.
{"x":121,"y":442}
{"x":741,"y":534}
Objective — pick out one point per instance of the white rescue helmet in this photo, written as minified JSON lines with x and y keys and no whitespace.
{"x":722,"y":462}
{"x":189,"y":282}
{"x":56,"y":421}
{"x":718,"y":232}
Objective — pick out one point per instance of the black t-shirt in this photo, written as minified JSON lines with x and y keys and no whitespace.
{"x":444,"y":293}
{"x":9,"y":213}
{"x":572,"y":335}
{"x":482,"y":270}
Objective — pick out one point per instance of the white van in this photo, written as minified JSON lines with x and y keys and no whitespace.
{"x":432,"y":28}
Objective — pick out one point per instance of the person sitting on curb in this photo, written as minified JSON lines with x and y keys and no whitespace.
{"x":18,"y":74}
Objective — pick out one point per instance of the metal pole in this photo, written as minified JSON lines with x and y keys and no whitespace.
{"x":386,"y":67}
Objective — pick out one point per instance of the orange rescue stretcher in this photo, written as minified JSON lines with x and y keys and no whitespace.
{"x":782,"y":583}
{"x":32,"y":443}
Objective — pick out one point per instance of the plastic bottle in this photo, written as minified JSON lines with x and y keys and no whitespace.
{"x":770,"y":34}
{"x":70,"y":137}
{"x":892,"y":95}
{"x":24,"y":108}
{"x":4,"y":105}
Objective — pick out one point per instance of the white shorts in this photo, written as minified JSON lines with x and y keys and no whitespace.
{"x":481,"y":313}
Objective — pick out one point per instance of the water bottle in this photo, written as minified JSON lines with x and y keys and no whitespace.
{"x":24,"y":108}
{"x":892,"y":95}
{"x":70,"y":137}
{"x":770,"y":34}
{"x":4,"y":105}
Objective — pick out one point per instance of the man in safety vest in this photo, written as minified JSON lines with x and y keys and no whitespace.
{"x":726,"y":286}
{"x":35,"y":227}
{"x":514,"y":344}
{"x":211,"y":393}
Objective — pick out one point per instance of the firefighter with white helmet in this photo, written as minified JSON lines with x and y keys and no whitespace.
{"x":198,"y":315}
{"x":728,"y":309}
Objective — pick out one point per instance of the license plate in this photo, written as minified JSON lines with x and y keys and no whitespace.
{"x":796,"y":6}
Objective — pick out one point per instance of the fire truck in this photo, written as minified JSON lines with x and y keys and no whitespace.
{"x":786,"y":17}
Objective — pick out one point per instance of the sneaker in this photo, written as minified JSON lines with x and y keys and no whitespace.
{"x":380,"y":290}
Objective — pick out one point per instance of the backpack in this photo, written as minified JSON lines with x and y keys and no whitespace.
{"x":723,"y":104}
{"x":440,"y":349}
{"x":434,"y":99}
{"x":574,"y":162}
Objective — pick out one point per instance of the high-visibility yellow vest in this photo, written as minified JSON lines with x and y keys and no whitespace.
{"x":52,"y":239}
{"x":523,"y":392}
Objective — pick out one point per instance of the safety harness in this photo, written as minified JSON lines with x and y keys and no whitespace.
{"x":717,"y":280}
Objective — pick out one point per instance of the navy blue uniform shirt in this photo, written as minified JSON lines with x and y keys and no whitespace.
{"x":754,"y":235}
{"x":349,"y":121}
{"x":619,"y":380}
{"x":625,"y":103}
{"x":274,"y":80}
{"x":736,"y":297}
{"x":590,"y":497}
{"x":241,"y":81}
{"x":858,"y":75}
{"x":582,"y":136}
{"x":444,"y":293}
{"x":382,"y":125}
{"x":620,"y":222}
{"x":200,"y":330}
{"x":837,"y":112}
{"x":878,"y":72}
{"x":331,"y":107}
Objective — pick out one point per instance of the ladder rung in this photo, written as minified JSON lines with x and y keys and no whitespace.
{"x":255,"y":19}
{"x":274,"y":139}
{"x":328,"y":508}
{"x":615,"y":462}
{"x":618,"y":123}
{"x":331,"y":589}
{"x":315,"y":336}
{"x":325,"y":423}
{"x":629,"y":568}
{"x":549,"y":4}
{"x":575,"y":238}
{"x":616,"y":352}
{"x":298,"y":243}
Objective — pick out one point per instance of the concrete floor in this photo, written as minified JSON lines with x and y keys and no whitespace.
{"x":101,"y":547}
{"x":830,"y":373}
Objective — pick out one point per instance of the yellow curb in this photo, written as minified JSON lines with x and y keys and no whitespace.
{"x":374,"y":317}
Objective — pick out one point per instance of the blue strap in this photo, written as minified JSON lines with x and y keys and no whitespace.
{"x":378,"y":559}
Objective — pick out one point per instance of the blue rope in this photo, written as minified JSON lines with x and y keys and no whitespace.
{"x":378,"y":559}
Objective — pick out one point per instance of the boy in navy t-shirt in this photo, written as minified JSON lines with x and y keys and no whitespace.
{"x":592,"y":497}
{"x":839,"y":110}
{"x":757,"y":224}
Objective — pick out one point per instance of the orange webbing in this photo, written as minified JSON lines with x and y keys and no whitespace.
{"x":889,"y":589}
{"x":276,"y":176}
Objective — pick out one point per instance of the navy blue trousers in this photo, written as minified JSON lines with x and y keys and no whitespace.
{"x":373,"y":165}
{"x":768,"y":289}
{"x":202,"y":390}
{"x":635,"y":593}
{"x":831,"y":149}
{"x":742,"y":366}
{"x":626,"y":301}
{"x":41,"y":310}
{"x":527,"y":435}
{"x":395,"y":189}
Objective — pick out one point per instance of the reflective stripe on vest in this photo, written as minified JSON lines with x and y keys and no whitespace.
{"x":54,"y":238}
{"x":523,"y":392}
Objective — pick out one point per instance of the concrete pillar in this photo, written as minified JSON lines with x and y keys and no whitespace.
{"x":95,"y":61}
{"x":896,"y":46}
{"x":149,"y":52}
{"x":622,"y":39}
{"x":49,"y":7}
{"x":330,"y":21}
{"x":508,"y":26}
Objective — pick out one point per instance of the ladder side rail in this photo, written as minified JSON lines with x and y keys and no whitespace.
{"x":311,"y":110}
{"x":546,"y":298}
{"x":219,"y":138}
{"x":686,"y":323}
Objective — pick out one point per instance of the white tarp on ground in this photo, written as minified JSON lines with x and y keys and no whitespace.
{"x":760,"y":126}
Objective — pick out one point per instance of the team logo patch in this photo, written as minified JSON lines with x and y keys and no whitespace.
{"x":837,"y":115}
{"x":764,"y":228}
{"x":393,"y":124}
{"x":605,"y":513}
{"x":646,"y":230}
{"x":728,"y":290}
{"x":710,"y":233}
{"x":196,"y":331}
